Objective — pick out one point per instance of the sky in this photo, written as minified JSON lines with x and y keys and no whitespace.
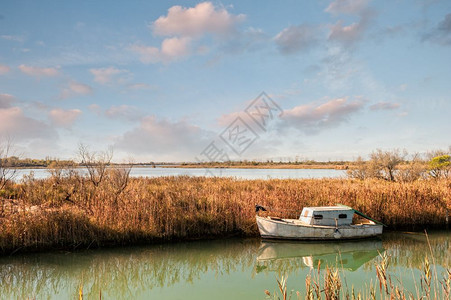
{"x":202,"y":81}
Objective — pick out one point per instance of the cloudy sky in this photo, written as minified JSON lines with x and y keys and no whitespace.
{"x":172,"y":81}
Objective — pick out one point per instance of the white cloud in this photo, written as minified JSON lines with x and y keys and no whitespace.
{"x":141,"y":86}
{"x":313,"y":117}
{"x":350,"y":7}
{"x":15,"y":38}
{"x":20,"y":127}
{"x":348,"y":35}
{"x":74,"y":89}
{"x":6,"y":100}
{"x":4,"y":69}
{"x":196,"y":21}
{"x":39,"y":72}
{"x":384,"y":106}
{"x":164,"y":139}
{"x":294,"y":39}
{"x":64,"y":118}
{"x":184,"y":26}
{"x":95,"y":108}
{"x":125,"y":112}
{"x":172,"y":49}
{"x":251,"y":39}
{"x":107,"y":75}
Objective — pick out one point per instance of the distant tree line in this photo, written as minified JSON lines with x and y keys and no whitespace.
{"x":17,"y":162}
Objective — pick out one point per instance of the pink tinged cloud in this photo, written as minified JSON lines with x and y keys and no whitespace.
{"x":384,"y":106}
{"x":296,"y":38}
{"x":164,"y":138}
{"x":125,"y":112}
{"x":141,"y":86}
{"x":349,"y":7}
{"x":6,"y":100}
{"x":4,"y":69}
{"x":346,"y":34}
{"x":172,"y":49}
{"x":16,"y":124}
{"x":38,"y":72}
{"x":105,"y":75}
{"x":316,"y":117}
{"x":196,"y":21}
{"x":74,"y":89}
{"x":64,"y":118}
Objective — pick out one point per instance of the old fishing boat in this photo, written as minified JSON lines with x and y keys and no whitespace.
{"x":319,"y":223}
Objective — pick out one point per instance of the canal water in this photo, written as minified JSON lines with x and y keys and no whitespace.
{"x":220,"y":269}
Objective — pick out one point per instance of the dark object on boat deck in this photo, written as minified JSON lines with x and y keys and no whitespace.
{"x":259,"y":208}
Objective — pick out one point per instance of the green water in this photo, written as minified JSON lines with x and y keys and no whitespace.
{"x":222,"y":269}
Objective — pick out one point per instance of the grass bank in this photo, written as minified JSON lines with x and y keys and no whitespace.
{"x":72,"y":211}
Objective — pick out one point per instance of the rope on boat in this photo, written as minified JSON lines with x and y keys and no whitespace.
{"x":259,"y":207}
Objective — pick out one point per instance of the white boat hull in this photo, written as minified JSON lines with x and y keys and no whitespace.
{"x":292,"y":229}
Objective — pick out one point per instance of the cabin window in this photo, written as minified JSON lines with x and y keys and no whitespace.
{"x":318,"y":217}
{"x":342,"y":216}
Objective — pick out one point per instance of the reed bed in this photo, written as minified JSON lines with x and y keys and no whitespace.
{"x":71,"y":211}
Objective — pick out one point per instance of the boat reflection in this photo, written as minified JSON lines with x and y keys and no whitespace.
{"x":286,"y":256}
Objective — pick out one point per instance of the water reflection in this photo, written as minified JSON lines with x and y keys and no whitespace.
{"x":287,"y":256}
{"x":198,"y":270}
{"x":120,"y":272}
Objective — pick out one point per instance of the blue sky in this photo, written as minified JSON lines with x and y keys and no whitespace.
{"x":162,"y":80}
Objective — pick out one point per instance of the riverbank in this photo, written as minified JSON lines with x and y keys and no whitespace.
{"x":75,"y":212}
{"x":233,"y":165}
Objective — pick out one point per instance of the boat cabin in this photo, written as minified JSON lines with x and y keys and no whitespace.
{"x":326,"y":215}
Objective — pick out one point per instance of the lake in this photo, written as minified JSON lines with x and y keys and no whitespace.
{"x":220,"y":172}
{"x":219,"y":269}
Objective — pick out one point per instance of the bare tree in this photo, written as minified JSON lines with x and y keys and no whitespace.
{"x":96,"y":163}
{"x":7,"y":171}
{"x":382,"y":165}
{"x":414,"y":169}
{"x":119,"y":178}
{"x":359,"y":170}
{"x":385,"y":163}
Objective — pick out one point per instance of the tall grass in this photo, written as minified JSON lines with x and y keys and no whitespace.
{"x":69,"y":211}
{"x":330,"y":285}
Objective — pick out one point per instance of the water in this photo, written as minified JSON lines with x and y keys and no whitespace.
{"x":225,"y":172}
{"x":222,"y":269}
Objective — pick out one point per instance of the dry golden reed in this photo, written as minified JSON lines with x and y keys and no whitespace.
{"x":70,"y":211}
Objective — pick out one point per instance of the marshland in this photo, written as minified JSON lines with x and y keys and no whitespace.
{"x":100,"y":209}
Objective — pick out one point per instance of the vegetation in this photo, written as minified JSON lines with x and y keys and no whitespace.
{"x":101,"y":205}
{"x":440,"y":166}
{"x":70,"y":210}
{"x":330,"y":285}
{"x":392,"y":165}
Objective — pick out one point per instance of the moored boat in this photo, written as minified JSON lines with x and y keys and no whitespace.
{"x":319,"y":223}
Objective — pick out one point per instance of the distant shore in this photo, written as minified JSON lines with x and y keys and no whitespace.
{"x":260,"y":166}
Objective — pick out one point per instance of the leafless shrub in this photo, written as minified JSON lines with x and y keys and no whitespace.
{"x":7,"y":170}
{"x":382,"y":165}
{"x":385,"y":163}
{"x":96,"y":163}
{"x":413,"y":170}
